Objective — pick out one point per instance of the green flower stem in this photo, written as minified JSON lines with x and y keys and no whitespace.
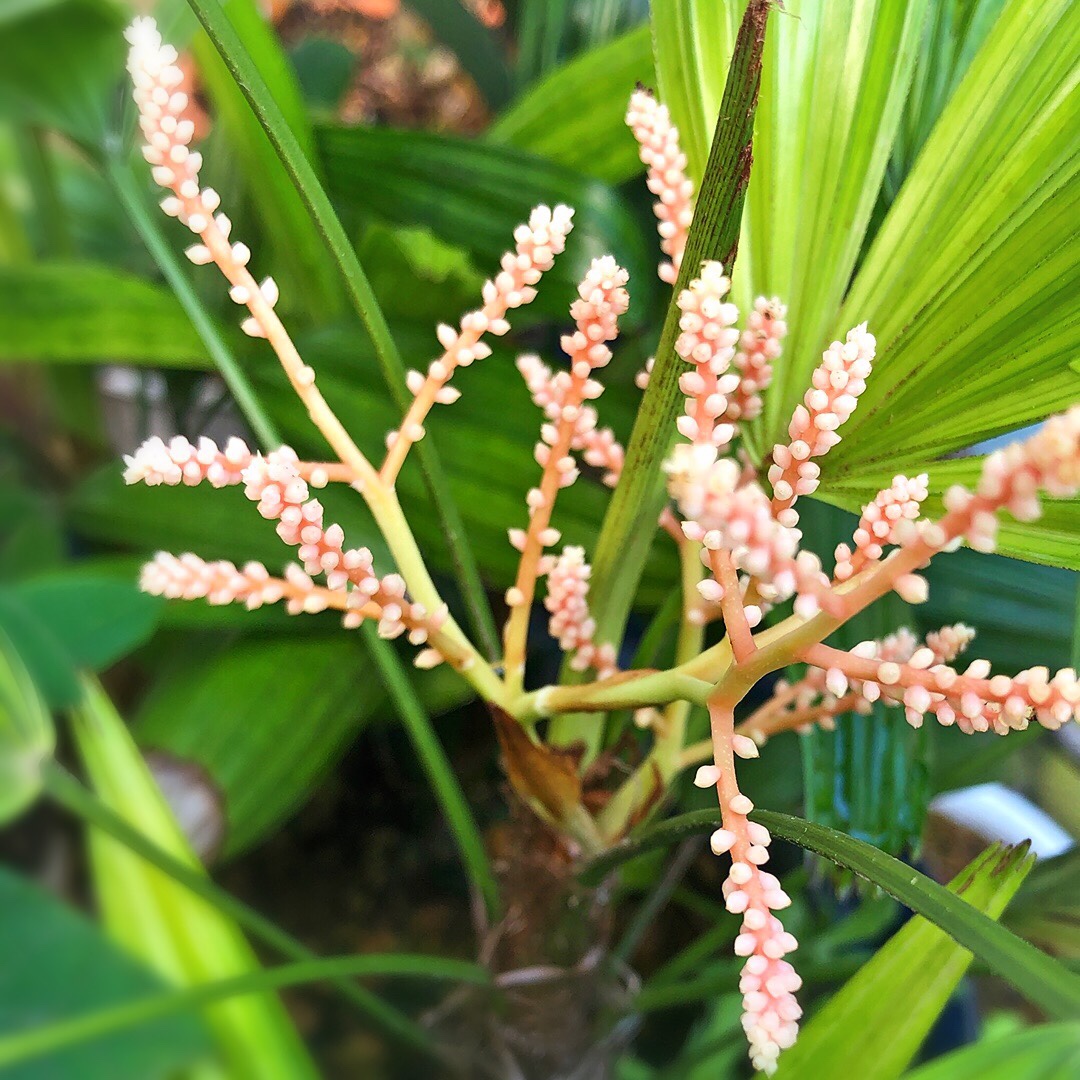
{"x":49,"y":1038}
{"x":665,"y":760}
{"x":437,"y":768}
{"x":391,"y":520}
{"x":123,"y":182}
{"x":67,"y":792}
{"x":221,"y":32}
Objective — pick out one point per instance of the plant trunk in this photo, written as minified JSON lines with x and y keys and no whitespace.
{"x":563,"y":1010}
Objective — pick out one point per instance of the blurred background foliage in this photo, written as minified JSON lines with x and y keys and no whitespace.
{"x":435,"y":125}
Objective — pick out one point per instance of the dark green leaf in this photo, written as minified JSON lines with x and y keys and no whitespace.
{"x":473,"y":195}
{"x":70,"y":620}
{"x":574,"y":117}
{"x":74,"y":312}
{"x":60,"y":64}
{"x":57,"y":965}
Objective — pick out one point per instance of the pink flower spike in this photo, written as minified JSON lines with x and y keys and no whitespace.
{"x":658,"y":140}
{"x":180,"y":462}
{"x":831,"y":399}
{"x":759,"y":347}
{"x":571,"y":624}
{"x":880,"y":524}
{"x":537,"y":243}
{"x":707,"y":341}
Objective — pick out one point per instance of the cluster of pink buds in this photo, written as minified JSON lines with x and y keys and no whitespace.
{"x":768,"y":982}
{"x":658,"y":141}
{"x":836,"y":385}
{"x":179,"y":462}
{"x":162,"y":105}
{"x":707,"y":340}
{"x":881,"y":524}
{"x":973,"y":700}
{"x":571,"y":624}
{"x":537,"y":244}
{"x":1012,"y":478}
{"x":824,"y":694}
{"x":187,"y":577}
{"x":759,"y":347}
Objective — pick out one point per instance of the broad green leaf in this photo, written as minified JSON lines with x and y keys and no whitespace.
{"x":473,"y":195}
{"x":57,"y":966}
{"x":574,"y":117}
{"x":877,"y":1021}
{"x":1040,"y":978}
{"x":60,"y":64}
{"x":266,"y":742}
{"x":27,"y":736}
{"x":179,"y":935}
{"x":85,"y":313}
{"x":68,"y":620}
{"x":1043,"y":1052}
{"x":836,"y":76}
{"x":971,"y":283}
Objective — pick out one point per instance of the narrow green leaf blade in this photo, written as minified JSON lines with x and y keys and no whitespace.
{"x":1040,"y":978}
{"x":1044,"y":1052}
{"x":874,"y":1025}
{"x":179,"y":935}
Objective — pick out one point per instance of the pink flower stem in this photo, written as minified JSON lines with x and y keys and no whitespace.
{"x":742,"y":640}
{"x":524,"y":588}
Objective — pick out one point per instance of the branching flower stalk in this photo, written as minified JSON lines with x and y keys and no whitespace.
{"x":737,"y":538}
